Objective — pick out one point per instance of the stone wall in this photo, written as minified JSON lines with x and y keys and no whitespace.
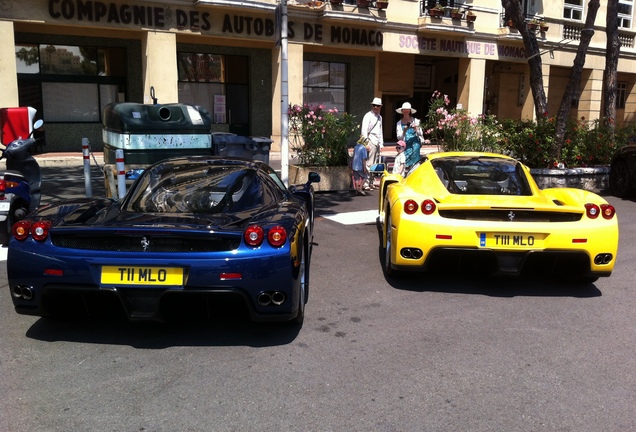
{"x":332,"y":178}
{"x":592,"y":179}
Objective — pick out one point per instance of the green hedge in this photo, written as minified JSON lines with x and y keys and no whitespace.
{"x":586,"y":143}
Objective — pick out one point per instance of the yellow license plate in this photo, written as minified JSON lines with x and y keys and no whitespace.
{"x":511,"y":240}
{"x":125,"y":275}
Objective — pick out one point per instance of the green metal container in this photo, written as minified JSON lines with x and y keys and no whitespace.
{"x":150,"y":133}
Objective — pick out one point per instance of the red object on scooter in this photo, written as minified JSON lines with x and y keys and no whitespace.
{"x":16,"y":123}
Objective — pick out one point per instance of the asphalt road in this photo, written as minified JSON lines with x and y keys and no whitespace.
{"x":419,"y":353}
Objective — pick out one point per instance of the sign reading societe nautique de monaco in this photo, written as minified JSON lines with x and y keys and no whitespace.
{"x":202,"y":21}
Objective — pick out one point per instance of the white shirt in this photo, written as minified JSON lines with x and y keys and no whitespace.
{"x":398,"y":164}
{"x":372,"y":128}
{"x":400,"y":130}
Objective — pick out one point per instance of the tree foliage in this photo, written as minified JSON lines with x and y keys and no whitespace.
{"x":514,"y":13}
{"x":585,"y":143}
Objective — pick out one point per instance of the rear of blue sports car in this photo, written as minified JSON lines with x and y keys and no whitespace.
{"x":179,"y":245}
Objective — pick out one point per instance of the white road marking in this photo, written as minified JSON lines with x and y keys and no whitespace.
{"x":3,"y":253}
{"x":353,"y":218}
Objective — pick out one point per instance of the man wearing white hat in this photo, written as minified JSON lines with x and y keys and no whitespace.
{"x":372,"y":130}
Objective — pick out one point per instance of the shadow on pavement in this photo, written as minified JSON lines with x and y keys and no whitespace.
{"x":220,"y":331}
{"x":494,"y":286}
{"x":69,"y":182}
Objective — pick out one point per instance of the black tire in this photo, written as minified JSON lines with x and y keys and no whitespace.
{"x":619,"y":179}
{"x":17,"y":212}
{"x":388,"y":244}
{"x":6,"y":227}
{"x":5,"y":232}
{"x":303,"y":276}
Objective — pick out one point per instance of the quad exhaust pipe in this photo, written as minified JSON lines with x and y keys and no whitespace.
{"x":22,"y":292}
{"x":264,"y":299}
{"x":411,"y":253}
{"x":602,"y":259}
{"x":271,"y":298}
{"x":278,"y":298}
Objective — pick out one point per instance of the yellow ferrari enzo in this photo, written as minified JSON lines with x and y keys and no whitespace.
{"x":484,"y":213}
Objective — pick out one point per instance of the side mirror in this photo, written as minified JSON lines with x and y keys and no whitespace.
{"x":314,"y":177}
{"x":38,"y":124}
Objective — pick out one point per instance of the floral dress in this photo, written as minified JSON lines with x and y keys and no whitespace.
{"x":411,"y":137}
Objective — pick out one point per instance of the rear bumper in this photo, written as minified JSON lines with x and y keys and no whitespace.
{"x":146,"y":305}
{"x":565,"y":248}
{"x":75,"y":284}
{"x":543,"y":263}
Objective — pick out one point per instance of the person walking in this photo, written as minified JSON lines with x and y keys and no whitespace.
{"x":372,"y":130}
{"x":359,"y":171}
{"x":398,"y":163}
{"x":408,"y":129}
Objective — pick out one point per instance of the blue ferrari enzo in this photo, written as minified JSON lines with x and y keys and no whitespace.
{"x":189,"y":230}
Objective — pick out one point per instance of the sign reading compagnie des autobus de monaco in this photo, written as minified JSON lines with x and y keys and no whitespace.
{"x":166,"y":17}
{"x":159,"y":17}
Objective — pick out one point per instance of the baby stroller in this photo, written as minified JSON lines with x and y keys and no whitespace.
{"x":377,"y":170}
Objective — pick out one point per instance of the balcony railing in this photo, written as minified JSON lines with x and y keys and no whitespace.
{"x":447,"y":7}
{"x":627,"y":40}
{"x":531,"y":20}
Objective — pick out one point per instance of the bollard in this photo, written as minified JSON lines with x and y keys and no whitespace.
{"x":87,"y":167}
{"x":121,"y":173}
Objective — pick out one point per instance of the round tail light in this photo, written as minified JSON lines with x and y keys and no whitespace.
{"x":254,"y":235}
{"x":592,"y":210}
{"x":428,"y":207}
{"x":608,"y":211}
{"x":277,"y":236}
{"x":40,"y":230}
{"x":21,"y":229}
{"x":410,"y":207}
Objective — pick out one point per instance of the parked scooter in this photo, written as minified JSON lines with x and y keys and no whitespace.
{"x":20,"y":184}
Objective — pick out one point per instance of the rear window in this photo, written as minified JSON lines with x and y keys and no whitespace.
{"x":200,"y":189}
{"x":482,"y":176}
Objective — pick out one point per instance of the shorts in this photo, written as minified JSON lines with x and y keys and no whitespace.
{"x":359,"y":175}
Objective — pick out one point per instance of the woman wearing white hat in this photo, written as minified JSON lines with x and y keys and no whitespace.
{"x":408,"y":129}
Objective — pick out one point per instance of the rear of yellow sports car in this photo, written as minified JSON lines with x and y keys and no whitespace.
{"x":561,"y":231}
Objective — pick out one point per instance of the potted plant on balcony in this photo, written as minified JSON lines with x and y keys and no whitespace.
{"x":543,"y":26}
{"x":470,"y":16}
{"x":456,"y":13}
{"x":335,"y":2}
{"x":533,"y":24}
{"x":363,"y":3}
{"x":436,"y":11}
{"x":382,"y":4}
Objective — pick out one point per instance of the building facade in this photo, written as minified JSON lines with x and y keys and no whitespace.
{"x":70,"y":58}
